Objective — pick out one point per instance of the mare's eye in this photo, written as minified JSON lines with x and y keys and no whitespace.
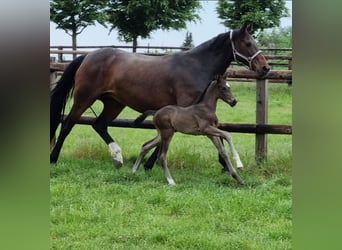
{"x":248,"y":44}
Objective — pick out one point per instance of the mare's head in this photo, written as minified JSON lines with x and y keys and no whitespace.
{"x":246,"y":51}
{"x":224,"y":91}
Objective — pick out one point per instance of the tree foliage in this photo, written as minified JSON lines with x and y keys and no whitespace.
{"x":188,"y":42}
{"x":262,"y":13}
{"x":277,"y":37}
{"x":134,"y":18}
{"x":73,"y":16}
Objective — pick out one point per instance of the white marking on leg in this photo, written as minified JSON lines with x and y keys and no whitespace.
{"x":115,"y":152}
{"x":171,"y":181}
{"x":233,"y":150}
{"x":238,"y":161}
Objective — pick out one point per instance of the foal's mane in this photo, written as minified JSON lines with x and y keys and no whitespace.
{"x":201,"y":97}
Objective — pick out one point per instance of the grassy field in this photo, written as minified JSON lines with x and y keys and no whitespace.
{"x":95,"y":206}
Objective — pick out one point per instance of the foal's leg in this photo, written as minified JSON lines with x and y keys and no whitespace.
{"x":233,"y":150}
{"x":221,"y":160}
{"x":111,"y":109}
{"x":147,"y":146}
{"x":166,"y":136}
{"x":214,"y":131}
{"x":223,"y":153}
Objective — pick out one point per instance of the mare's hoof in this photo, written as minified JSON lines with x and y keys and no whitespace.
{"x":147,"y":168}
{"x":224,"y":170}
{"x":53,"y":160}
{"x":117,"y":163}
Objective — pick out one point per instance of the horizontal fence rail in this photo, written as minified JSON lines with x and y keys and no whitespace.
{"x":230,"y":127}
{"x":277,"y":57}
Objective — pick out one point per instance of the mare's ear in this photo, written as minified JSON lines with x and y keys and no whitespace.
{"x":248,"y":27}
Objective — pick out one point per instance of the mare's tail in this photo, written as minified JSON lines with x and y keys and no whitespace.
{"x":59,"y":95}
{"x":143,"y":116}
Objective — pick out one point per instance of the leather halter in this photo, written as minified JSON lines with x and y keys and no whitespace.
{"x":236,"y":53}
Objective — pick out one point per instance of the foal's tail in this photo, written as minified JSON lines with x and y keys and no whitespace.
{"x":60,"y":94}
{"x":143,"y":116}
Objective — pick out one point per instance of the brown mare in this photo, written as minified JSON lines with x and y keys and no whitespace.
{"x":196,"y":119}
{"x":141,"y":82}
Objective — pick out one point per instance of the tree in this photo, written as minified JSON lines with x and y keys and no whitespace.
{"x":262,"y":13}
{"x":134,"y":18}
{"x":279,"y":37}
{"x":73,"y":16}
{"x":188,"y":42}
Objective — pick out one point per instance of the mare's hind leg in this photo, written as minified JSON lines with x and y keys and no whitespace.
{"x":147,"y":146}
{"x":219,"y":145}
{"x":166,"y":136}
{"x":67,"y":125}
{"x":152,"y":159}
{"x":111,"y":109}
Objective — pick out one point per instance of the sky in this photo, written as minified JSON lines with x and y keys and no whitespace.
{"x":208,"y":27}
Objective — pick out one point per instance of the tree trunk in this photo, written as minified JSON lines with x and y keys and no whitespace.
{"x":135,"y":44}
{"x":74,"y":43}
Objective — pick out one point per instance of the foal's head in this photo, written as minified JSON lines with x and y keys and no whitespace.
{"x":246,"y":51}
{"x":224,"y":91}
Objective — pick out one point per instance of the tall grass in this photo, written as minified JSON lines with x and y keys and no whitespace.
{"x":95,"y":206}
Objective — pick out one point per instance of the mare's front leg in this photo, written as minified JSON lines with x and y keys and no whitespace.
{"x":222,"y":151}
{"x":146,"y":147}
{"x":111,"y":109}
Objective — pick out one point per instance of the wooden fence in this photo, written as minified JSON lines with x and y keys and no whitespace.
{"x":261,"y":128}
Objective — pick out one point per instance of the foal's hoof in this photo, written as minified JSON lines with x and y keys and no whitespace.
{"x":238,"y":178}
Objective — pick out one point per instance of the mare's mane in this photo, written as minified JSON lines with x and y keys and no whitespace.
{"x":213,"y":43}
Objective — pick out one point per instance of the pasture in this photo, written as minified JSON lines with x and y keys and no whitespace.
{"x":95,"y":206}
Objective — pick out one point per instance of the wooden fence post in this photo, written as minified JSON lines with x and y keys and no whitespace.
{"x":60,"y":56}
{"x":53,"y":79}
{"x":261,"y":118}
{"x":53,"y":74}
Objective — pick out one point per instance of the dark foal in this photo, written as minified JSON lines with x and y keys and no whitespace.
{"x":197,"y":119}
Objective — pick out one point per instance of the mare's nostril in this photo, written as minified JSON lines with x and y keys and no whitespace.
{"x":266,"y":69}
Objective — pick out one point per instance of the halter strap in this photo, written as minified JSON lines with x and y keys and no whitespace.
{"x":236,"y":53}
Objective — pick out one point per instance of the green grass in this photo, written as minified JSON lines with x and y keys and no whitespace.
{"x":95,"y":206}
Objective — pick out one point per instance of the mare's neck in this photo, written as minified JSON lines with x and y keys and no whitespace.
{"x":216,"y":54}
